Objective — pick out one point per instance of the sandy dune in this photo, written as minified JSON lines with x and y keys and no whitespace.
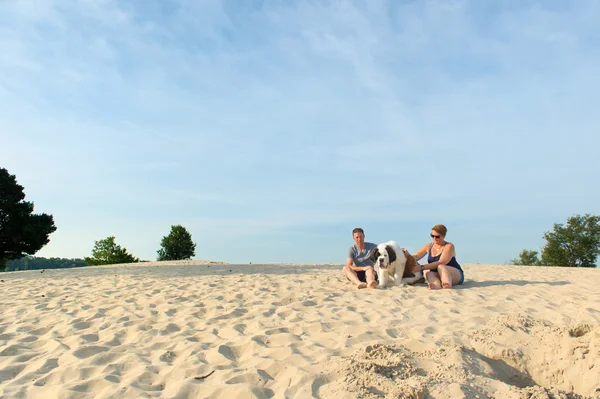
{"x":195,"y":330}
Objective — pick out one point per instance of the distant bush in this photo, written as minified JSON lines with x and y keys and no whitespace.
{"x":526,"y":258}
{"x":107,"y":252}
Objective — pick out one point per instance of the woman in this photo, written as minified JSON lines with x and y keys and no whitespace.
{"x":442,"y":269}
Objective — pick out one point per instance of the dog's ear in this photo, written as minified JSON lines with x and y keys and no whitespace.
{"x":391,"y":253}
{"x":374,"y":255}
{"x":411,"y":263}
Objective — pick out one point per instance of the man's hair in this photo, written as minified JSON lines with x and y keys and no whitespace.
{"x":358,"y":230}
{"x":440,"y":229}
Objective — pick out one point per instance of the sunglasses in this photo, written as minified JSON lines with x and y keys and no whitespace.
{"x":434,"y":236}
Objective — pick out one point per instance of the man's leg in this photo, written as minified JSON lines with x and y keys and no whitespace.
{"x":351,"y":275}
{"x":371,"y":277}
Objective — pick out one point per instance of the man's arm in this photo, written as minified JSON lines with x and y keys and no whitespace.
{"x":350,"y":264}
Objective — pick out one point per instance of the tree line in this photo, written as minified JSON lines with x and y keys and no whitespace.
{"x":177,"y":245}
{"x":38,"y":263}
{"x":23,"y":233}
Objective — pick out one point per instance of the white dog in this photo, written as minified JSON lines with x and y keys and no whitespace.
{"x":392,"y":264}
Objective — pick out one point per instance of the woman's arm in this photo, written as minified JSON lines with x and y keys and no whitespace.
{"x":447,"y":255}
{"x":421,"y":252}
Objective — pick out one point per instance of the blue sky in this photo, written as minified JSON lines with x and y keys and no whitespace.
{"x":270,"y":129}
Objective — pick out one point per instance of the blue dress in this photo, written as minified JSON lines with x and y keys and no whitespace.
{"x":453,"y":263}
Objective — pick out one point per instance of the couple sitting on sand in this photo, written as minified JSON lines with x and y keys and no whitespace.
{"x":441,"y":270}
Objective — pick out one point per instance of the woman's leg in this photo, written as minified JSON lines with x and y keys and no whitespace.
{"x":449,"y":275}
{"x":433,"y":280}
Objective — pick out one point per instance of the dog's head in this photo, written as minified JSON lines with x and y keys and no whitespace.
{"x":383,"y":256}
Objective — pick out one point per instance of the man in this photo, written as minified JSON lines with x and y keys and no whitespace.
{"x":359,"y":268}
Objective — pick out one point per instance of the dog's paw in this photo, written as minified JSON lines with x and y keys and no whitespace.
{"x":382,"y":285}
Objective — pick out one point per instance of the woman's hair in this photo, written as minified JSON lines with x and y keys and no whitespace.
{"x":440,"y":229}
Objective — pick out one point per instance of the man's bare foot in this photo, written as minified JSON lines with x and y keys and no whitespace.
{"x":446,"y":285}
{"x":434,"y":286}
{"x":361,"y":286}
{"x":373,"y":284}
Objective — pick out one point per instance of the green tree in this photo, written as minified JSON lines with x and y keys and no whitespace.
{"x":575,"y":245}
{"x":526,"y":258}
{"x":21,"y":231}
{"x":177,"y":245}
{"x":107,"y":252}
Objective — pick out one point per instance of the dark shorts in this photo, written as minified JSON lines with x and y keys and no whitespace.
{"x":462,"y":274}
{"x":362,"y":276}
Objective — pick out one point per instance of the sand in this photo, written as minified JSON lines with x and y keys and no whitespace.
{"x":198,"y":330}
